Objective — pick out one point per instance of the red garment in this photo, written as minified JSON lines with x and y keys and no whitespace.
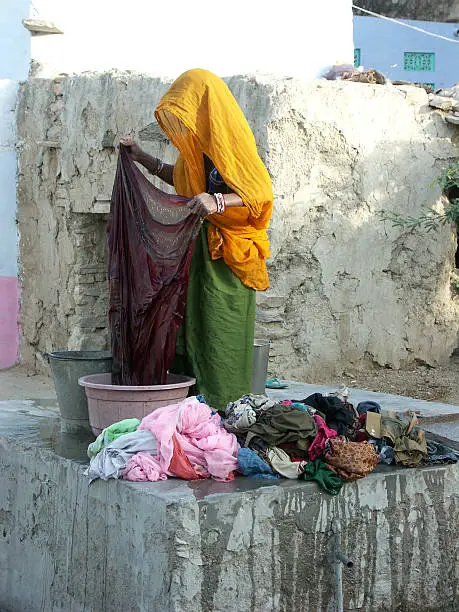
{"x":180,"y":465}
{"x":324,"y":432}
{"x":151,"y":236}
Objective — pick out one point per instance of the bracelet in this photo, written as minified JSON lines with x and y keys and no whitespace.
{"x":220,"y":201}
{"x":159,"y":167}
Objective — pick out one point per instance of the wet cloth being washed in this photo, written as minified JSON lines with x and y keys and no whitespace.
{"x":150,"y":240}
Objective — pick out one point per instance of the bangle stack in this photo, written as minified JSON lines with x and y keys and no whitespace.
{"x":220,"y":200}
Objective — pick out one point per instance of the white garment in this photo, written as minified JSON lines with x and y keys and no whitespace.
{"x":281,"y":463}
{"x":112,"y":459}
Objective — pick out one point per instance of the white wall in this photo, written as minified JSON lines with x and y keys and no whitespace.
{"x":296,"y":38}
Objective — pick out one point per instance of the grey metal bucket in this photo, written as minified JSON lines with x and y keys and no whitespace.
{"x":67,"y":367}
{"x":260,"y":366}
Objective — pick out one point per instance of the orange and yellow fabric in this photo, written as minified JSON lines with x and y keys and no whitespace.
{"x":201,"y":117}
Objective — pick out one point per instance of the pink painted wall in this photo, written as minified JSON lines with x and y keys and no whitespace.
{"x":9,"y":312}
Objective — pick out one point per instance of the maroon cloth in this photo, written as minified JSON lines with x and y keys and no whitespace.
{"x":151,"y":235}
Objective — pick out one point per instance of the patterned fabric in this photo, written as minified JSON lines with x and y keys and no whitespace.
{"x":350,"y":460}
{"x":242,"y":413}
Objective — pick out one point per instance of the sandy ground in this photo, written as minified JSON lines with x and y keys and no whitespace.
{"x":421,"y":382}
{"x":17,"y":383}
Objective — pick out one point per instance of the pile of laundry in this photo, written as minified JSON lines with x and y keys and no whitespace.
{"x":183,"y":440}
{"x":322,"y":438}
{"x":325,"y":438}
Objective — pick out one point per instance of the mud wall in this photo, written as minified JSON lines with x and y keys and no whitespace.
{"x":346,"y":287}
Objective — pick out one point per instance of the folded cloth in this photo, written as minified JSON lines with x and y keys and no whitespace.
{"x":350,"y":460}
{"x":252,"y":466}
{"x":112,"y":433}
{"x":318,"y":471}
{"x":143,"y":467}
{"x":317,"y":447}
{"x":283,"y":465}
{"x":210,"y":449}
{"x":111,"y":460}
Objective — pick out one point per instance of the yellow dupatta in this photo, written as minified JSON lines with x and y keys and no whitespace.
{"x":200,"y":116}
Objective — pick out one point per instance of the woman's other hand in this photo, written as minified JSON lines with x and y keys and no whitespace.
{"x":133,"y":148}
{"x":203,"y":204}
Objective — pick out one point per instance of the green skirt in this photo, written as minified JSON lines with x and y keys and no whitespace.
{"x":215,"y":342}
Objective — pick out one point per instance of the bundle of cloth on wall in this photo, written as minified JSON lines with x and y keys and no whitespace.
{"x":322,"y":438}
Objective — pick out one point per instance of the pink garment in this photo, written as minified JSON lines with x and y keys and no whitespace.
{"x":287,"y":402}
{"x":143,"y":467}
{"x":211,"y":450}
{"x":324,"y":432}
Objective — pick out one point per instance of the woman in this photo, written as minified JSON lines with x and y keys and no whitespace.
{"x":219,"y":168}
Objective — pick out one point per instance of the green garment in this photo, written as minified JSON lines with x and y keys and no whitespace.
{"x":112,"y":433}
{"x":282,"y":424}
{"x":215,"y":343}
{"x":328,"y":480}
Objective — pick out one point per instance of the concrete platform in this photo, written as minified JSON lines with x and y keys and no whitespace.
{"x":181,"y":546}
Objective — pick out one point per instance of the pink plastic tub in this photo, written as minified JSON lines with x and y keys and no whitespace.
{"x":109,"y":403}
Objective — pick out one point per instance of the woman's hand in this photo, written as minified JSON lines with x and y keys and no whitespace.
{"x":203,"y":204}
{"x":133,"y":148}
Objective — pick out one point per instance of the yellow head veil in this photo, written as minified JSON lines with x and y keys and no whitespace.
{"x":201,"y":117}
